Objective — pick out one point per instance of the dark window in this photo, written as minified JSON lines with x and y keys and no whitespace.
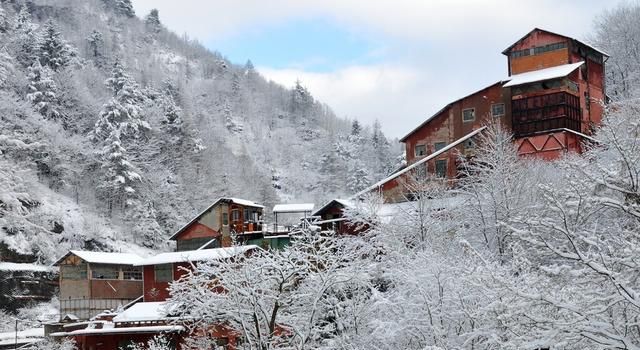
{"x":468,"y":115}
{"x":71,"y":272}
{"x":438,"y":146}
{"x":441,"y":168}
{"x":497,"y":109}
{"x":132,"y":273}
{"x":105,"y":273}
{"x":247,"y":215}
{"x":225,"y":218}
{"x":193,"y":244}
{"x":163,"y":272}
{"x":421,"y":150}
{"x":235,"y":215}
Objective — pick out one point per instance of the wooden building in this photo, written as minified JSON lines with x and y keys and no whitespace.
{"x":551,"y":101}
{"x":215,"y":225}
{"x":152,"y":316}
{"x":91,"y":282}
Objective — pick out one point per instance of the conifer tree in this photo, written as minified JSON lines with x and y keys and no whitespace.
{"x":42,"y":91}
{"x":152,"y":21}
{"x":53,"y":51}
{"x":26,"y":38}
{"x":96,"y":44}
{"x":122,"y":112}
{"x":120,"y":176}
{"x":355,"y":128}
{"x":4,"y":21}
{"x":125,"y":7}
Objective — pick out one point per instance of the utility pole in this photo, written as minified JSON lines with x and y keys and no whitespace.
{"x":15,"y":345}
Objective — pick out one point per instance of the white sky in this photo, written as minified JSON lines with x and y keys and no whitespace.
{"x":420,"y":54}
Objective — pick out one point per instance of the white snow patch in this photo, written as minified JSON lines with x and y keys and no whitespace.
{"x":197,"y":255}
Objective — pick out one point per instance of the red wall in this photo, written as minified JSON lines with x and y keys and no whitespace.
{"x":158,"y":291}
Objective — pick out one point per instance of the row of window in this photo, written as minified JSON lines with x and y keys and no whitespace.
{"x":469,"y":114}
{"x":249,"y":216}
{"x":538,"y":50}
{"x":105,"y":272}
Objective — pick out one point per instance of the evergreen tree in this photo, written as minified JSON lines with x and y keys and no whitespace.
{"x":122,"y":112}
{"x":5,"y":25}
{"x":146,"y":223}
{"x":355,"y":128}
{"x":120,"y":176}
{"x":359,"y":179}
{"x":26,"y":39}
{"x":42,"y":91}
{"x":96,"y":44}
{"x":53,"y":51}
{"x":125,"y":7}
{"x":152,"y":21}
{"x":171,"y":112}
{"x":6,"y":67}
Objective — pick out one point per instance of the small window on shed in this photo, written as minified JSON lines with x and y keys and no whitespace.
{"x":497,"y":109}
{"x":132,"y":273}
{"x":421,"y":150}
{"x":441,"y":168}
{"x":72,"y":272}
{"x":468,"y":115}
{"x":105,"y":272}
{"x":438,"y":146}
{"x":163,"y":272}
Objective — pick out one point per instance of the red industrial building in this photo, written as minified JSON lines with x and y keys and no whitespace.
{"x":551,"y":101}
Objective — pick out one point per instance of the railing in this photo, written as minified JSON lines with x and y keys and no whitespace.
{"x":546,"y":112}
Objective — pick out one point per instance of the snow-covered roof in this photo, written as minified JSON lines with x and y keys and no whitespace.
{"x":147,"y":311}
{"x":542,"y":74}
{"x":508,"y":49}
{"x":197,"y":255}
{"x":418,"y":163}
{"x":27,"y":336}
{"x":103,"y":258}
{"x":243,"y":202}
{"x":8,"y":266}
{"x":346,"y":203}
{"x":120,"y":330}
{"x":293,"y":208}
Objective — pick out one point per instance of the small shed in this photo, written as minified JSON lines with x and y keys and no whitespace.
{"x":286,"y":216}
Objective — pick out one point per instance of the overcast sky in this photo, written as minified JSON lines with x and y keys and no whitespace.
{"x":395,"y":60}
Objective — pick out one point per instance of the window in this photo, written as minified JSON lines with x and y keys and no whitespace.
{"x":71,"y":272}
{"x":468,"y":115}
{"x":235,"y":215}
{"x":421,"y":150}
{"x":438,"y":146}
{"x":105,"y":272}
{"x":225,"y":218}
{"x":441,"y":168}
{"x":192,"y":244}
{"x":132,"y":273}
{"x":247,"y":215}
{"x":163,"y":272}
{"x":497,"y":110}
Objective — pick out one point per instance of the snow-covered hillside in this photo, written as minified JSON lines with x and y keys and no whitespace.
{"x":114,"y":131}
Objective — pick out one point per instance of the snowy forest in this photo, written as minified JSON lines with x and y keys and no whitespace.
{"x":115,"y":130}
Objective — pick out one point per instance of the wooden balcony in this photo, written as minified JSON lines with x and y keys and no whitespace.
{"x":537,"y":114}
